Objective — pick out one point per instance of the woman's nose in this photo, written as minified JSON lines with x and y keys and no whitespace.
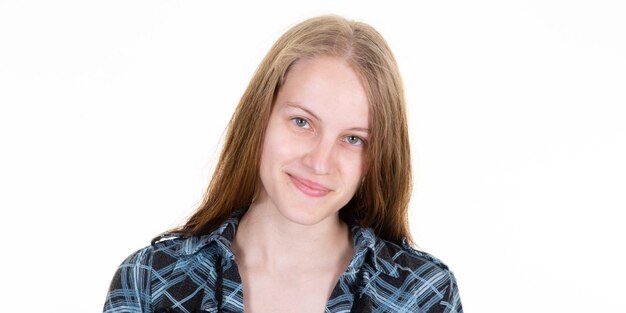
{"x":319,"y":157}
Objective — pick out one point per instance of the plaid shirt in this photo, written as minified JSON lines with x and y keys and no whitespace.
{"x":199,"y":274}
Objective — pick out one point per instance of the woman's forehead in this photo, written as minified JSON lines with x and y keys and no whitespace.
{"x":327,"y":88}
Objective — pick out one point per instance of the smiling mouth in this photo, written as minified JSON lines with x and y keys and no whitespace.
{"x":309,"y":188}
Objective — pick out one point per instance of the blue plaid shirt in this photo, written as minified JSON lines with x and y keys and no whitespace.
{"x":199,"y":274}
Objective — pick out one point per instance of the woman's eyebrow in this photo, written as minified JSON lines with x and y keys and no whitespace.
{"x":296,"y":105}
{"x":365,"y":130}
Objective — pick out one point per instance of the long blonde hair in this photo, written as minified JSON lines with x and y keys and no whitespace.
{"x":382,"y":201}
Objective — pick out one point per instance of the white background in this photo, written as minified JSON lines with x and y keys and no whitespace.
{"x":111,"y":114}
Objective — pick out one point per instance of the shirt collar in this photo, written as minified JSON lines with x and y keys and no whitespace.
{"x":364,"y":248}
{"x":364,"y":240}
{"x":189,"y":245}
{"x":223,"y":236}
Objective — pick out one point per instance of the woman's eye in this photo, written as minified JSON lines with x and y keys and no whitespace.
{"x":354,"y":140}
{"x":300,"y":122}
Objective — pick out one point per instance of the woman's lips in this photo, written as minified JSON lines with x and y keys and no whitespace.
{"x":309,"y":188}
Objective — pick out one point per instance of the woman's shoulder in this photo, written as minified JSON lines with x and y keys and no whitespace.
{"x":163,"y":262}
{"x":139,"y":264}
{"x":169,"y":249}
{"x":169,"y":245}
{"x":392,"y":256}
{"x":404,"y":261}
{"x":412,"y":276}
{"x":166,"y":249}
{"x":405,"y":254}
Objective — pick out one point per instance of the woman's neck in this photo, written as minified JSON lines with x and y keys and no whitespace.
{"x":267,"y":239}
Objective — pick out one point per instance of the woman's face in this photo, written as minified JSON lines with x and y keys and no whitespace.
{"x":314,"y":149}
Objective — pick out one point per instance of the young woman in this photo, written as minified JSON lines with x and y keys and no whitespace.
{"x":307,"y":208}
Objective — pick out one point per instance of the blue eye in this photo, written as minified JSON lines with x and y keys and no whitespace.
{"x":354,"y":140}
{"x":300,"y":122}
